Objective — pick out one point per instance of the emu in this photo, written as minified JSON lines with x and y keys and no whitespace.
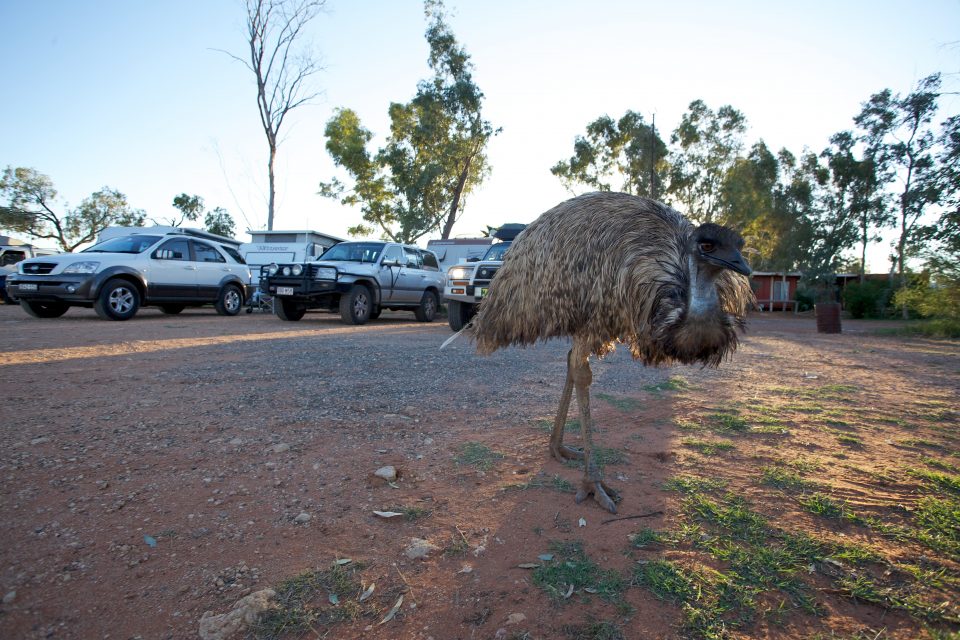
{"x":604,"y":268}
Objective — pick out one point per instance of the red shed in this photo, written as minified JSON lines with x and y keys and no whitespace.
{"x":775,"y":290}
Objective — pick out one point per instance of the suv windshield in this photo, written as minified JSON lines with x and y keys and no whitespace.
{"x":126,"y":244}
{"x":497,"y":251}
{"x":354,"y":252}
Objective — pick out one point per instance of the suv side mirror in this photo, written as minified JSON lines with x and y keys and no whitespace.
{"x":473,"y":259}
{"x":163,"y":254}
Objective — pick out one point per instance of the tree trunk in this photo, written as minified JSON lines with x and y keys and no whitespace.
{"x":455,"y":205}
{"x":273,"y":155}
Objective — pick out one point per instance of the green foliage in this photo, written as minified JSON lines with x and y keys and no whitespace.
{"x":571,"y":568}
{"x":478,"y":455}
{"x":31,"y":199}
{"x":931,"y":300}
{"x":627,"y":151}
{"x":220,"y":222}
{"x":434,"y":157}
{"x":866,"y":300}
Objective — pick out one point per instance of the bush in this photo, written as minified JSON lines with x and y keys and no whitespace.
{"x":805,"y":299}
{"x":867,"y":299}
{"x":941,"y":300}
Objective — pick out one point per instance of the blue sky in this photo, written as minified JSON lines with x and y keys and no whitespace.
{"x":135,"y":95}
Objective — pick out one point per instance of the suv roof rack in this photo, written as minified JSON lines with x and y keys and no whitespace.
{"x":509,"y":231}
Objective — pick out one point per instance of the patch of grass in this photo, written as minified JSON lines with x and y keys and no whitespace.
{"x":938,"y":524}
{"x":621,"y":403}
{"x":555,"y":482}
{"x":478,"y":455}
{"x":302,"y":607}
{"x":781,"y":478}
{"x":920,"y":442}
{"x":826,"y":507}
{"x":936,"y":328}
{"x":693,"y":484}
{"x":939,"y":464}
{"x":570,"y":566}
{"x":593,"y":630}
{"x":673,"y":383}
{"x":724,"y":422}
{"x":731,"y":513}
{"x":937,"y":480}
{"x":646,"y":537}
{"x":706,"y":447}
{"x":689,"y":425}
{"x":411,"y":513}
{"x":848,"y":440}
{"x":570,"y":426}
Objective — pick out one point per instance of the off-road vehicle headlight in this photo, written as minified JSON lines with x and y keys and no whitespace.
{"x":459,"y":273}
{"x":272,"y":269}
{"x":285,"y":271}
{"x":297,"y":269}
{"x":326,"y":273}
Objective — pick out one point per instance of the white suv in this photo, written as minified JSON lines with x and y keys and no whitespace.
{"x":171,"y":270}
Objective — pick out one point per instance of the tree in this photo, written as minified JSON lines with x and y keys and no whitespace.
{"x":31,"y":202}
{"x":282,"y":71}
{"x":435,"y":155}
{"x":626,"y":154}
{"x":709,"y":144}
{"x":190,"y":208}
{"x":220,"y":222}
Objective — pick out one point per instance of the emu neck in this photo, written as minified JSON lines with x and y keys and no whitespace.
{"x":703,"y":301}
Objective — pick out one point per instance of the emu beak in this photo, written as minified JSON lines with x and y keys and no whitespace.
{"x":734,"y":263}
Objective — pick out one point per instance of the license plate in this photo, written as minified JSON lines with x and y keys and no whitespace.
{"x":28,"y":287}
{"x":483,"y":292}
{"x":284,"y":291}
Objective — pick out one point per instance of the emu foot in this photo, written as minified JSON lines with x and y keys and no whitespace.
{"x":563,"y":452}
{"x":602,"y":493}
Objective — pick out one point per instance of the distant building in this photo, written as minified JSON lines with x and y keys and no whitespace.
{"x":775,"y":290}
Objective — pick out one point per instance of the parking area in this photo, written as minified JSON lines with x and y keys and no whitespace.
{"x":156,"y":469}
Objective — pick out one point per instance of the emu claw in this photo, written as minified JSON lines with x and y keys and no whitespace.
{"x":603,"y":494}
{"x":563,"y":452}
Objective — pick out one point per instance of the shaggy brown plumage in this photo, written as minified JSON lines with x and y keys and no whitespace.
{"x":605,"y":268}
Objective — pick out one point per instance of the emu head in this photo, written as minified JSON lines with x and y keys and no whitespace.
{"x":719,"y":248}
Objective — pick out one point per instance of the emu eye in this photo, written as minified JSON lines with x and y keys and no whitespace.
{"x":707,"y":247}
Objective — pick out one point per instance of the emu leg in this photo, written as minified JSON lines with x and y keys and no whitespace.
{"x":559,"y":450}
{"x":593,"y":484}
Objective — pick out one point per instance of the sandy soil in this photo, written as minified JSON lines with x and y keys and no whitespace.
{"x":157,"y":469}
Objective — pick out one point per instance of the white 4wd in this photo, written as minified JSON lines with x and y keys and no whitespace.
{"x":118,"y":276}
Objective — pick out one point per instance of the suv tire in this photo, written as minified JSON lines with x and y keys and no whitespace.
{"x":118,"y":300}
{"x":459,"y":314}
{"x":355,"y":307}
{"x":289,"y":310}
{"x":230,"y":301}
{"x":427,"y":310}
{"x":44,"y":309}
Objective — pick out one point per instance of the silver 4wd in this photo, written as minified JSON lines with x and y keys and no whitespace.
{"x":467,"y":282}
{"x":358,"y":280}
{"x":118,"y":276}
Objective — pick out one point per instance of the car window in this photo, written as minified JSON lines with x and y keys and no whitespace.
{"x":413,"y":258}
{"x":393,"y":254}
{"x":206,"y":253}
{"x":233,"y":253}
{"x":354,"y":252}
{"x":497,"y":251}
{"x":175,"y":250}
{"x":124,"y":244}
{"x":430,"y":261}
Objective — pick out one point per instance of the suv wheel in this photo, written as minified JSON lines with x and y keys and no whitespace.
{"x":289,"y":310}
{"x":355,"y":307}
{"x":229,"y":301}
{"x":427,"y":310}
{"x":118,"y":300}
{"x":44,"y":309}
{"x":459,"y":314}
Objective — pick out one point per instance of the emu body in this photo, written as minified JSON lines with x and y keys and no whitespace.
{"x":605,"y":268}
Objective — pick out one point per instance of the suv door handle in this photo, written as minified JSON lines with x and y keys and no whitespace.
{"x":190,"y":267}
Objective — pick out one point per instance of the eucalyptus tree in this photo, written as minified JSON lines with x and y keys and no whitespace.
{"x":281,"y":67}
{"x":625,"y":154}
{"x":709,"y":143}
{"x":435,"y":156}
{"x":32,"y":210}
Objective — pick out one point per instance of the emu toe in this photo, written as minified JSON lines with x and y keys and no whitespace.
{"x":602,"y":493}
{"x":563,"y":452}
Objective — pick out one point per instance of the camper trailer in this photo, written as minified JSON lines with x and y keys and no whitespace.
{"x":270,"y":247}
{"x":456,"y":250}
{"x":13,"y":251}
